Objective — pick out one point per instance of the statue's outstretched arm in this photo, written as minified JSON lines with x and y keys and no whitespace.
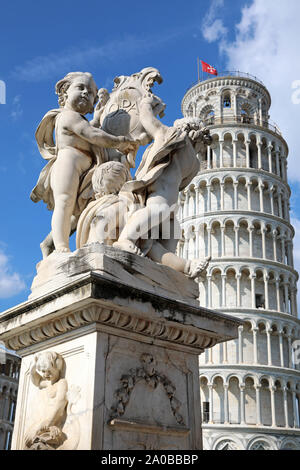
{"x":95,"y":136}
{"x":150,"y":106}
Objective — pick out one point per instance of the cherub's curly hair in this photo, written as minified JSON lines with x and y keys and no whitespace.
{"x":50,"y":357}
{"x":62,"y":86}
{"x":119,"y":173}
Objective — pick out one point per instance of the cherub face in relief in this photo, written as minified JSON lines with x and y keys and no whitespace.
{"x":81,"y":95}
{"x":47,"y":370}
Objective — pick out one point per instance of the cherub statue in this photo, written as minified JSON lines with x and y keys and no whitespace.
{"x":168,"y":166}
{"x":46,"y":374}
{"x":104,"y":218}
{"x":64,"y":183}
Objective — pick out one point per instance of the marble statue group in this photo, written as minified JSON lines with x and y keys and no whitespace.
{"x":87,"y":181}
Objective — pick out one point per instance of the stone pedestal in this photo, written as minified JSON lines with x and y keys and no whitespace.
{"x":130,"y":361}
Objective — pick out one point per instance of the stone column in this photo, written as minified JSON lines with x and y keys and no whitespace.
{"x":236,"y":241}
{"x":290,"y":351}
{"x":285,"y":405}
{"x":209,"y":290}
{"x":221,"y":142}
{"x":259,"y":144}
{"x":222,"y":228}
{"x":282,"y":249}
{"x":211,"y":403}
{"x":238,"y":289}
{"x":277,"y":283}
{"x":252,"y":277}
{"x":248,"y":185}
{"x":226,"y":404}
{"x":242,"y":403}
{"x":263,"y":240}
{"x":293,"y":301}
{"x":197,"y":200}
{"x":273,"y":413}
{"x":235,"y":105}
{"x":258,"y":407}
{"x":261,"y":196}
{"x":223,"y":276}
{"x":247,"y":143}
{"x":234,"y":144}
{"x":277,"y":163}
{"x":280,"y":205}
{"x":295,"y":414}
{"x":208,"y":186}
{"x":270,"y":157}
{"x":208,"y":241}
{"x":260,"y":111}
{"x":274,"y":236}
{"x":286,"y":296}
{"x":222,"y":195}
{"x":280,"y":334}
{"x":254,"y":331}
{"x":269,"y":331}
{"x":240,"y":328}
{"x":266,"y":285}
{"x":250,"y":230}
{"x":225,"y":353}
{"x":272,"y":200}
{"x":235,"y":200}
{"x":197,"y":243}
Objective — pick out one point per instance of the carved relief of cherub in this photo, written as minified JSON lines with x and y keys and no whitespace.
{"x":46,"y":374}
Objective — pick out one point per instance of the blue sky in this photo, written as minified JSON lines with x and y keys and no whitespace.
{"x":39,"y":45}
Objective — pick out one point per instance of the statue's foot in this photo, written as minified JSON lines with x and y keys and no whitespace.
{"x":62,"y":249}
{"x":195,"y":267}
{"x":128,"y":245}
{"x":46,"y":248}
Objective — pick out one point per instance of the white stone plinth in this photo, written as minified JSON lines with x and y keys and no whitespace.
{"x":130,"y":363}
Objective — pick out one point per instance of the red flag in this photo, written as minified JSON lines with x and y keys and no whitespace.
{"x":208,"y":68}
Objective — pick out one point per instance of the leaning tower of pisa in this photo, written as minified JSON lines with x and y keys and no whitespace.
{"x":237,"y":210}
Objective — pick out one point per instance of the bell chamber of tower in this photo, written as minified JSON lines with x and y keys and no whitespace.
{"x":236,"y":210}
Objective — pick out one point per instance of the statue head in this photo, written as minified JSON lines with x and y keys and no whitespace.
{"x":109,"y":178}
{"x":47,"y":366}
{"x":78,"y":91}
{"x":103,"y":96}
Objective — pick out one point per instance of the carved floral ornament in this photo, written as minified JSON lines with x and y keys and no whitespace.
{"x":149,"y":374}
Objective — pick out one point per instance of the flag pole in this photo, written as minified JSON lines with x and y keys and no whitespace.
{"x":198,"y":69}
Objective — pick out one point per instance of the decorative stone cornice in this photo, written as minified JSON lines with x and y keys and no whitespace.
{"x":156,"y":329}
{"x":105,"y":304}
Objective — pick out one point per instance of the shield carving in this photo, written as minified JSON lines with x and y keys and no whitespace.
{"x":121,"y":113}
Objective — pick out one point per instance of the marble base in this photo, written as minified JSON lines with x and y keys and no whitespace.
{"x":131,"y":362}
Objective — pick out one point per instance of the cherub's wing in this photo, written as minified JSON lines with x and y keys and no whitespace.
{"x":44,"y":135}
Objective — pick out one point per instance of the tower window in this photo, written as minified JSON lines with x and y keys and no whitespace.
{"x":205,"y":411}
{"x":227,"y":101}
{"x":259,"y":301}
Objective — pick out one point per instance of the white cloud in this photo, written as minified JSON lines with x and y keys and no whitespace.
{"x":10,"y":282}
{"x":17,"y":110}
{"x":213,"y":27}
{"x":214,"y":31}
{"x":267,"y":45}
